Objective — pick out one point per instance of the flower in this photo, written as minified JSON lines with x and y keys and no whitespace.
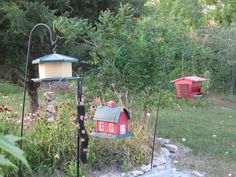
{"x":57,"y":157}
{"x":183,"y":139}
{"x":214,"y":136}
{"x":4,"y":97}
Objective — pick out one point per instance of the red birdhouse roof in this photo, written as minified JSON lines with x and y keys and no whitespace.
{"x":191,"y":78}
{"x":109,"y":114}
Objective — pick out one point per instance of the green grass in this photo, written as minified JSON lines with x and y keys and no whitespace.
{"x":13,"y":101}
{"x":208,"y":129}
{"x":207,"y":125}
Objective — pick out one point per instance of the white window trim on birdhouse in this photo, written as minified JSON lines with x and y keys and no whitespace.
{"x":111,"y":127}
{"x":122,"y":129}
{"x":101,"y":126}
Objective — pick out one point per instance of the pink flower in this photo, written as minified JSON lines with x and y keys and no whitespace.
{"x":4,"y":97}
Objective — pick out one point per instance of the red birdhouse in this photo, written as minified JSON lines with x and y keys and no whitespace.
{"x":111,"y":122}
{"x":188,"y":87}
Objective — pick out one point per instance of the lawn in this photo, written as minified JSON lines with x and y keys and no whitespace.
{"x":207,"y":127}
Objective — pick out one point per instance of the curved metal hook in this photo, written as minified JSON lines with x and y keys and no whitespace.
{"x":55,"y":45}
{"x":53,"y":42}
{"x":25,"y":80}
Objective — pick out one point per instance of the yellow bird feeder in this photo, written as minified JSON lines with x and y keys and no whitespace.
{"x":54,"y":66}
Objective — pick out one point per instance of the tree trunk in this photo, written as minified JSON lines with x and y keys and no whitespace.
{"x":144,"y":112}
{"x":33,"y":94}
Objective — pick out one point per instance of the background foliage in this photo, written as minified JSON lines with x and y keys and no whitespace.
{"x":122,"y":46}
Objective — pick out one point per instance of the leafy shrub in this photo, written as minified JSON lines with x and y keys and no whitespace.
{"x":52,"y":146}
{"x":7,"y":144}
{"x":168,"y":99}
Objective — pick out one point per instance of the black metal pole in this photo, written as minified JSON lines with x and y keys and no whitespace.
{"x":25,"y":84}
{"x":79,"y":100}
{"x":78,"y":149}
{"x":82,"y":134}
{"x":159,"y":101}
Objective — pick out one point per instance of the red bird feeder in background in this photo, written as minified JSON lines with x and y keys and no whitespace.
{"x":188,"y":87}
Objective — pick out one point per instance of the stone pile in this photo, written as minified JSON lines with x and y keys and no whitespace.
{"x":162,"y":165}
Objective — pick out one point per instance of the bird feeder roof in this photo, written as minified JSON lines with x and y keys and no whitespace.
{"x":54,"y":58}
{"x":190,"y":78}
{"x":109,"y":114}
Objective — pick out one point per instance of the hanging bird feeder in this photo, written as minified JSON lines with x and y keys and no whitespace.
{"x":111,"y":122}
{"x":188,"y":87}
{"x":54,"y":66}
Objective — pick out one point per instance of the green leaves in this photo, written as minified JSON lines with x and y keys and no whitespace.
{"x":4,"y":161}
{"x":7,"y":143}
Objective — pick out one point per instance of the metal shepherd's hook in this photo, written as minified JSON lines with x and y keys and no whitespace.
{"x":53,"y":42}
{"x":159,"y":100}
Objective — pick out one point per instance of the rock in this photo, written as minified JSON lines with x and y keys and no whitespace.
{"x":160,"y":160}
{"x":197,"y":174}
{"x":155,"y":173}
{"x":161,"y":167}
{"x":165,"y":152}
{"x":171,"y":148}
{"x":145,"y":168}
{"x":136,"y":173}
{"x":110,"y":174}
{"x":163,"y":141}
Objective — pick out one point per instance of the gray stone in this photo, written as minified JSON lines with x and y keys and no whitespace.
{"x":168,"y":173}
{"x":137,"y":173}
{"x":165,"y":152}
{"x":197,"y":174}
{"x":159,"y":160}
{"x":163,"y":141}
{"x":145,"y":168}
{"x":171,"y":148}
{"x":155,"y":173}
{"x":162,"y":167}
